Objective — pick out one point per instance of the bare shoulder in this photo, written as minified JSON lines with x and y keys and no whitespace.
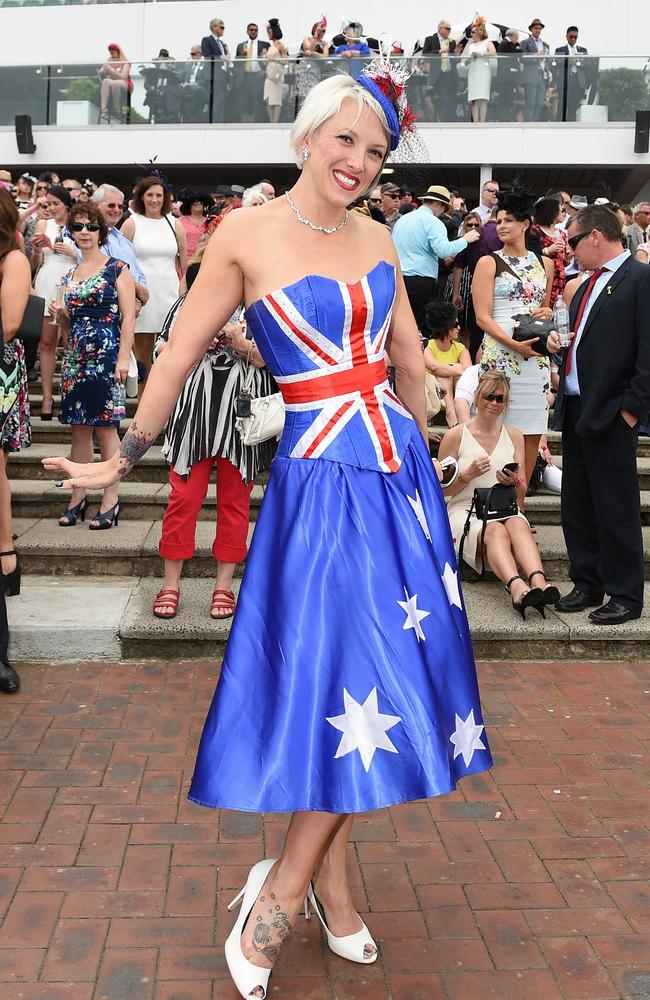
{"x":486,"y":267}
{"x":15,"y":265}
{"x":452,"y":438}
{"x":369,"y":230}
{"x":514,"y":434}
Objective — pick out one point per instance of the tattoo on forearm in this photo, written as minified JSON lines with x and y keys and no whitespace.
{"x":133,"y":446}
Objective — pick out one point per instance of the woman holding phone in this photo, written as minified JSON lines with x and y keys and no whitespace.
{"x":489,"y":452}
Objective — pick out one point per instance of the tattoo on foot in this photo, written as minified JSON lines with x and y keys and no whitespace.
{"x":135,"y":444}
{"x":276,"y":926}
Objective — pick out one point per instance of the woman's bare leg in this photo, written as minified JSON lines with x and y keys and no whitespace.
{"x":332,"y":887}
{"x":81,"y":450}
{"x":142,"y":348}
{"x":502,"y":561}
{"x":109,"y":443}
{"x":47,"y":355}
{"x":283,"y":894}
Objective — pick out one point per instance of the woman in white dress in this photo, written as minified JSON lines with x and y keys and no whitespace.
{"x":274,"y":82}
{"x":160,"y":245}
{"x":53,"y":255}
{"x":478,"y":57}
{"x":510,"y":281}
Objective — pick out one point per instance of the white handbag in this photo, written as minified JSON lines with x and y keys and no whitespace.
{"x":266,"y":418}
{"x":432,"y":395}
{"x":132,"y":378}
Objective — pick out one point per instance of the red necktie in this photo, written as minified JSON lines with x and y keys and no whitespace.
{"x":581,"y":309}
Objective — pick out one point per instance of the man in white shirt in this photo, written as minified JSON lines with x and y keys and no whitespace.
{"x":489,"y":200}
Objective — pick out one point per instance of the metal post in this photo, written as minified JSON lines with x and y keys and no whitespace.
{"x":47,"y":95}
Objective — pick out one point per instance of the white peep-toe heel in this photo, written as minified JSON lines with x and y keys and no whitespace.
{"x":351,"y":946}
{"x":246,"y":976}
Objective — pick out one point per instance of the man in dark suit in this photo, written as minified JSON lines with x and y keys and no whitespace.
{"x":571,"y":75}
{"x":603,"y":396}
{"x":443,"y":79}
{"x":214,"y":48}
{"x":536,"y":74}
{"x":194,"y":87}
{"x":250,"y":75}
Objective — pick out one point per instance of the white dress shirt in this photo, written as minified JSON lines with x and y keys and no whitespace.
{"x":572,"y":383}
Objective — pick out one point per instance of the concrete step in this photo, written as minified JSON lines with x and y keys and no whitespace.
{"x":152,"y":468}
{"x":37,"y":498}
{"x":131,"y":549}
{"x":56,"y":435}
{"x":92,"y":618}
{"x":36,"y":401}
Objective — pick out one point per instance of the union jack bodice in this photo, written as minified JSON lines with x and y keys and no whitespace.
{"x":324,"y":340}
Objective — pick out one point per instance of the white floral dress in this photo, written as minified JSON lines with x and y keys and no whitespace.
{"x":530,"y":378}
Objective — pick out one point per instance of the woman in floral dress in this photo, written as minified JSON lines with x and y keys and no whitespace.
{"x":96,"y":361}
{"x":510,"y":281}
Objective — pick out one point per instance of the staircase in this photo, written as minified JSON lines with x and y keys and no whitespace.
{"x":87,"y":595}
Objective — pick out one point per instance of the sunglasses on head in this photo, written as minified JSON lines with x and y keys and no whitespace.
{"x":78,"y":227}
{"x":493,"y":397}
{"x":574,"y":240}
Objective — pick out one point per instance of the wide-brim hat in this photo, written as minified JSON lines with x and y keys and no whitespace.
{"x":578,"y":201}
{"x":223,"y":191}
{"x":437,"y":193}
{"x":534,"y":22}
{"x":5,"y":176}
{"x":237,"y":189}
{"x":189,"y":197}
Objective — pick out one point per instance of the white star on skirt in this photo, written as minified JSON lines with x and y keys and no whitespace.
{"x":418,"y":510}
{"x":364,"y":728}
{"x":450,"y":580}
{"x":466,"y":738}
{"x":413,"y":616}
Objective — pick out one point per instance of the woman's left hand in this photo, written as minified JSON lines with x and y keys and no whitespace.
{"x":544,"y":312}
{"x":121,"y":369}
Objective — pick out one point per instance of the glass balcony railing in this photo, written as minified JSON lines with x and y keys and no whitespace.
{"x":587,"y":89}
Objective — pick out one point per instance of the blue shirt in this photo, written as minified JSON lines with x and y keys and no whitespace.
{"x":421,"y":242}
{"x":572,"y":384}
{"x":121,"y":248}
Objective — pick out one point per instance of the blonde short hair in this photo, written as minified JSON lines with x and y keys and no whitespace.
{"x":324,"y":102}
{"x":254,"y":196}
{"x":481,"y":30}
{"x":493,"y":382}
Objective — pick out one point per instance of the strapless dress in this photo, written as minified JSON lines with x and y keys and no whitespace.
{"x":349,"y":681}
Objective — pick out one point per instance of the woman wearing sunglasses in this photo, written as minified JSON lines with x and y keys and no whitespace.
{"x":99,"y":309}
{"x":489,"y":452}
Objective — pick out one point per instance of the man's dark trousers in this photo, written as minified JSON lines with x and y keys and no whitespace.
{"x":420,"y":291}
{"x":601,"y":510}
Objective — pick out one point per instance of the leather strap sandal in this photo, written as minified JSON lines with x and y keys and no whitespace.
{"x":165,"y":603}
{"x":223,"y":604}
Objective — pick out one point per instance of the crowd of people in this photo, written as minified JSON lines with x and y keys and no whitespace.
{"x":468,"y":274}
{"x":484,"y":72}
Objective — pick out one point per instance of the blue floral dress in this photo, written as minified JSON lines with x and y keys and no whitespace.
{"x":88,"y":369}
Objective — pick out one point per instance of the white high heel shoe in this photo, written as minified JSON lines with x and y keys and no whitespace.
{"x":246,"y":976}
{"x":351,"y":946}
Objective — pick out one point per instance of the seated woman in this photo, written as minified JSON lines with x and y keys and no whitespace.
{"x":445,"y":356}
{"x":482,"y":448}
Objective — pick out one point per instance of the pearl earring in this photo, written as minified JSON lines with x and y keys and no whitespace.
{"x":305,"y":154}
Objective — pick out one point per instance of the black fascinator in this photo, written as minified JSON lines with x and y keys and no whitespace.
{"x":276,"y":30}
{"x":517,"y":200}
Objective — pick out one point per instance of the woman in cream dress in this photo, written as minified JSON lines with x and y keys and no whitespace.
{"x":479,"y":74}
{"x":274,"y":82}
{"x":483,"y":447}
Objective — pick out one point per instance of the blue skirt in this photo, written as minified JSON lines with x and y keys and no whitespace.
{"x":349,"y":682}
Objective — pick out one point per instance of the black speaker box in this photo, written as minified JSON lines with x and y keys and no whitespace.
{"x":24,"y":136}
{"x":642,"y":132}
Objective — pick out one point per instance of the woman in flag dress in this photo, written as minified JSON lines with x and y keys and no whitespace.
{"x":349,"y":682}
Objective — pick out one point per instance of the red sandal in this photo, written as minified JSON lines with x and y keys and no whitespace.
{"x":223,"y":604}
{"x":169,"y":599}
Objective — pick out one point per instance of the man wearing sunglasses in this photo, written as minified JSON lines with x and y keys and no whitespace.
{"x":489,"y":200}
{"x":603,"y":395}
{"x":110,"y":202}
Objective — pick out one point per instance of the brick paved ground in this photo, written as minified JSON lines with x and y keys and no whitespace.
{"x":531,"y":882}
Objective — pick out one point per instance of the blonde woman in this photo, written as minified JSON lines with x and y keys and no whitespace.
{"x":490,"y":452}
{"x":476,"y":57}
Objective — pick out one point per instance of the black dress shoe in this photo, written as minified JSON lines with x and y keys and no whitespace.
{"x":613,"y":613}
{"x":577,"y":600}
{"x":9,"y":679}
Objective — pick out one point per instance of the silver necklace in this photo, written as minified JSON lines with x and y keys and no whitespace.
{"x":317,"y":229}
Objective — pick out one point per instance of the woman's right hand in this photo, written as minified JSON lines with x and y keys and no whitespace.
{"x":87,"y":476}
{"x":477,"y":468}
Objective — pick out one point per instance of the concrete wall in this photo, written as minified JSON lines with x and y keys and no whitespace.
{"x":78,"y":34}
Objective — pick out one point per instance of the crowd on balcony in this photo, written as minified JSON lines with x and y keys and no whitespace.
{"x":483,"y":71}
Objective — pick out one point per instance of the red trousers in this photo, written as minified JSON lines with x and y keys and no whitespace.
{"x":187,"y":494}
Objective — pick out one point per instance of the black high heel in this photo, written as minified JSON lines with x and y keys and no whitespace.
{"x":531,"y":599}
{"x":11,"y":581}
{"x":46,"y":416}
{"x":72,"y":513}
{"x":107,"y":519}
{"x":551,"y":594}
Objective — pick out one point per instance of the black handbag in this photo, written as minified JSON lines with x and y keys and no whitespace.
{"x":526,"y":327}
{"x":32,"y":321}
{"x":489,"y":503}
